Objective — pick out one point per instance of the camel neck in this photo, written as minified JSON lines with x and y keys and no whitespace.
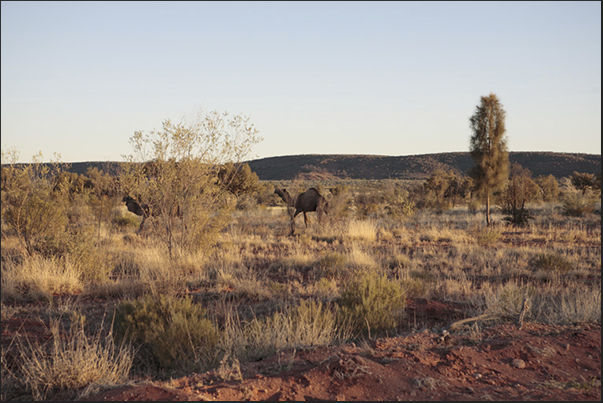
{"x":285,"y":196}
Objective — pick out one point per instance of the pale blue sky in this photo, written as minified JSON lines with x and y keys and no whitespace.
{"x":384,"y":78}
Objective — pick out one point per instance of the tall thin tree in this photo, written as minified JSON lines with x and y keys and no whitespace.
{"x":488,"y":148}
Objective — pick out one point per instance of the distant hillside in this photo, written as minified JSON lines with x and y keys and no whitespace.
{"x":411,"y":166}
{"x":322,"y":167}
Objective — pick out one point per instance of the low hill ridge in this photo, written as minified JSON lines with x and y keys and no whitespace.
{"x":338,"y":166}
{"x":348,"y":166}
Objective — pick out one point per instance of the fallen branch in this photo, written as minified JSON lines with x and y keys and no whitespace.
{"x":484,"y":316}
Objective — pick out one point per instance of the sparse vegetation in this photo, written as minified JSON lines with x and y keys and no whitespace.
{"x":171,"y":332}
{"x":256,"y":290}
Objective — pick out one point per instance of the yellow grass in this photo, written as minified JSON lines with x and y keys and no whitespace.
{"x":40,"y":278}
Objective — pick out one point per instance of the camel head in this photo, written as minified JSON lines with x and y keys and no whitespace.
{"x":325,"y":208}
{"x":284,"y":195}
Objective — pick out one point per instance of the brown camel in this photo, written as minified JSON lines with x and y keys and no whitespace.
{"x":310,"y":200}
{"x":138,"y":209}
{"x":142,"y":209}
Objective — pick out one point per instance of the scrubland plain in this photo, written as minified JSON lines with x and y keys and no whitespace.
{"x":124,"y":313}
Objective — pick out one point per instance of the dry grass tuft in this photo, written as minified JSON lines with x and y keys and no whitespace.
{"x":73,"y":361}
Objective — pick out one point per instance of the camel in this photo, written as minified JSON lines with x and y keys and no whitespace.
{"x":138,"y":209}
{"x":310,"y":200}
{"x":144,"y":210}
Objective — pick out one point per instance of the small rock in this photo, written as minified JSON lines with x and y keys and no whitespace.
{"x":567,"y":347}
{"x":518,"y":363}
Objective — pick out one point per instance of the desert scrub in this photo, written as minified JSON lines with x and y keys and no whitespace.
{"x":577,"y":205}
{"x":487,"y":236}
{"x":310,"y":323}
{"x":552,"y":261}
{"x":38,"y":278}
{"x":124,"y":221}
{"x":332,"y":265}
{"x":364,"y":230}
{"x":73,"y":361}
{"x":175,"y":331}
{"x":373,"y":304}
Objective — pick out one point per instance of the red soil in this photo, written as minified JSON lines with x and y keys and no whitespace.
{"x":538,"y":362}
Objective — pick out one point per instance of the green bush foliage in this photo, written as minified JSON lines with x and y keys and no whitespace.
{"x":374,"y":304}
{"x":175,"y":331}
{"x":400,"y":205}
{"x":78,"y":245}
{"x":548,"y":187}
{"x":443,"y":190}
{"x":32,"y":207}
{"x":520,"y":190}
{"x":238,"y":179}
{"x":180,"y":180}
{"x":583,"y":181}
{"x":577,"y":205}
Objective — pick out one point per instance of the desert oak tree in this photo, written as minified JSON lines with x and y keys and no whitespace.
{"x":488,"y":148}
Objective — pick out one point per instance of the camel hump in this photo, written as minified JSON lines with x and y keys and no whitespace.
{"x":313,"y":192}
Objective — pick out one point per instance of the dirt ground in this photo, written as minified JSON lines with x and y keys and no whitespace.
{"x":538,"y":362}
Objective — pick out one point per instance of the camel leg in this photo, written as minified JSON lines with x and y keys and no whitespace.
{"x":293,"y":221}
{"x":306,"y":219}
{"x":144,"y":217}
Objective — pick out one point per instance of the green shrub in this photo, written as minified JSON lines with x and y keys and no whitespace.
{"x":78,"y":246}
{"x":552,"y":261}
{"x":175,"y":331}
{"x":576,"y":205}
{"x":518,"y":217}
{"x":401,"y":206}
{"x":374,"y":305}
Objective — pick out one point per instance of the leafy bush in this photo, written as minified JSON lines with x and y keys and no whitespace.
{"x":401,"y":206}
{"x":473,"y":206}
{"x":520,"y":190}
{"x":180,"y":181}
{"x":576,"y":205}
{"x":79,"y":247}
{"x":373,"y":304}
{"x":175,"y":331}
{"x":32,"y":208}
{"x":517,"y":216}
